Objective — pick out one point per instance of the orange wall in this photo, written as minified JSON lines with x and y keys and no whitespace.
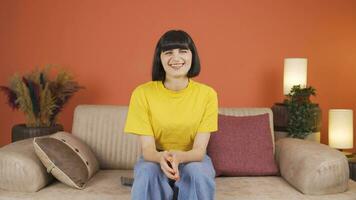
{"x":108,"y":46}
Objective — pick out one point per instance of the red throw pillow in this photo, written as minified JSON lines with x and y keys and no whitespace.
{"x":242,"y":146}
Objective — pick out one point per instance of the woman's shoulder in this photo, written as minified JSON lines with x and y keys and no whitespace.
{"x":205,"y":87}
{"x":145,"y":86}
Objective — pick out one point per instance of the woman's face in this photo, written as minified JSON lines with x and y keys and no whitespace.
{"x":176,"y":62}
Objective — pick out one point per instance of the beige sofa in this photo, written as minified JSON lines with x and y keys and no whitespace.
{"x":307,"y":169}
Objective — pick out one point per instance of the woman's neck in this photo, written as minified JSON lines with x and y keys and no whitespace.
{"x":176,"y":84}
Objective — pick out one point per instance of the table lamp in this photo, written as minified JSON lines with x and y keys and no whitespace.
{"x":295,"y":73}
{"x":341,"y":129}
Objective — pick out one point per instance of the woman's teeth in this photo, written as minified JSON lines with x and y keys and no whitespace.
{"x":176,"y":66}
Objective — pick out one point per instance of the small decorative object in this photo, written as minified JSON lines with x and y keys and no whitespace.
{"x":304,"y":117}
{"x":341,"y":129}
{"x":41,"y":99}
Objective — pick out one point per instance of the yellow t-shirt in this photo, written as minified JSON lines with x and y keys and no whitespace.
{"x":172,"y":117}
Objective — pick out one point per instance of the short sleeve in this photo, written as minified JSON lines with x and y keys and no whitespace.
{"x":209,"y":122}
{"x":137,"y":120}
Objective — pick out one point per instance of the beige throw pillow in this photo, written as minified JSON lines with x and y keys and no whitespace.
{"x":20,"y":168}
{"x":67,"y":158}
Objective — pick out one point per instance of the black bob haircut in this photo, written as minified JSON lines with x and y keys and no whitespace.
{"x":174,"y":39}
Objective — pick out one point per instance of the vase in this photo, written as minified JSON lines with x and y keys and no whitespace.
{"x":21,"y":132}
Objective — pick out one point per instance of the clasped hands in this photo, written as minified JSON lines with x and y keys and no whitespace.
{"x":169,"y":165}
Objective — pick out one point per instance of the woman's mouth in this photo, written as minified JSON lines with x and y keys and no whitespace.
{"x":176,"y":66}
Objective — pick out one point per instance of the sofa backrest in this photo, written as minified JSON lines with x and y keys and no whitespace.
{"x":101,"y":127}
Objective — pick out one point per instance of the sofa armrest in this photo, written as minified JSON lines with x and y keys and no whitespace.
{"x":312,"y":168}
{"x":20,"y":168}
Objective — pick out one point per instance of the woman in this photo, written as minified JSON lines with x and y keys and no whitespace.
{"x":174,"y":116}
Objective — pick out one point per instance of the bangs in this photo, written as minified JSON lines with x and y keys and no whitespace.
{"x":175,"y":40}
{"x":170,"y":46}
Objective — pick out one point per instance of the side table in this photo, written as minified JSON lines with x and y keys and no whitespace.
{"x":352,"y":166}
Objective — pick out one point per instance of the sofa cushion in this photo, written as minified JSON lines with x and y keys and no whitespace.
{"x":67,"y":158}
{"x":105,"y":185}
{"x":241,"y":112}
{"x":312,"y":168}
{"x":242,"y":146}
{"x":20,"y":169}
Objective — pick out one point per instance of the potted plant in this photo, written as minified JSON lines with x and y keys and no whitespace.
{"x":304,"y":117}
{"x":41,"y":99}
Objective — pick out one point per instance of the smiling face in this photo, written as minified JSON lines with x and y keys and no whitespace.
{"x":176,"y":62}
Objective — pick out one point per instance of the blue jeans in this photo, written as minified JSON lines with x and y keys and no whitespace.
{"x":196,"y":181}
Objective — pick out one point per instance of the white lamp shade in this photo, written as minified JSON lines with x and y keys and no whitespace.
{"x":295,"y":73}
{"x":341,"y":128}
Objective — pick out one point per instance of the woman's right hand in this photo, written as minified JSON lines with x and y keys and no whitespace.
{"x":167,"y":170}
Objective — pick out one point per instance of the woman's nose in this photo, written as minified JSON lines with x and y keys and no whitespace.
{"x":176,"y":57}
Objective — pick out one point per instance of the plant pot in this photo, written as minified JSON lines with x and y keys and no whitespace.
{"x":315,"y":136}
{"x":279,"y":135}
{"x":20,"y":131}
{"x":280,"y":117}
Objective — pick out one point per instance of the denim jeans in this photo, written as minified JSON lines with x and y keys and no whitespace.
{"x":197,"y":181}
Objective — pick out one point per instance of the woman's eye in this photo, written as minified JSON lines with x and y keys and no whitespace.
{"x":167,"y":53}
{"x":183,"y":51}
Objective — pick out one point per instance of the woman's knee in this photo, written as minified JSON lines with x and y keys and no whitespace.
{"x":146,"y":169}
{"x":198,"y":170}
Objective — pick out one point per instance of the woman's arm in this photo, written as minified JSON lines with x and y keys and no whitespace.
{"x":198,"y":151}
{"x":150,"y":153}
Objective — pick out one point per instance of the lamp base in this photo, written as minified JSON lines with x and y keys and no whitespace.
{"x":347,"y":154}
